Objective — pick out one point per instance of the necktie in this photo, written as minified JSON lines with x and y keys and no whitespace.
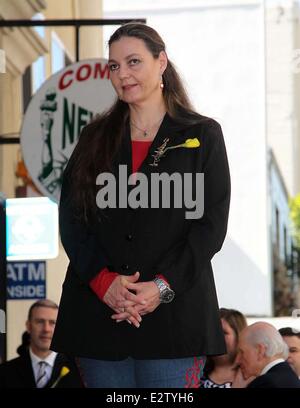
{"x":42,"y":377}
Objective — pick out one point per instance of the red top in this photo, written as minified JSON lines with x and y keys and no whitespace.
{"x":139,"y":153}
{"x":104,"y":279}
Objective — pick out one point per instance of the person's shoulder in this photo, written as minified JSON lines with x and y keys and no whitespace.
{"x":62,"y":358}
{"x":281,"y":369}
{"x":209,"y":126}
{"x":206,"y":121}
{"x":210,"y":134}
{"x":17,"y":373}
{"x":90,"y":129}
{"x":283,"y":366}
{"x":279,"y":376}
{"x":284,"y":370}
{"x":193,"y":122}
{"x":11,"y":363}
{"x":205,"y":126}
{"x":262,"y":381}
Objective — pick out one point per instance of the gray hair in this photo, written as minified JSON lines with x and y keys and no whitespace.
{"x":271,"y":339}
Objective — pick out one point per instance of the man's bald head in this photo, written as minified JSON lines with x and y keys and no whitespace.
{"x":268,"y":336}
{"x":259,"y":344}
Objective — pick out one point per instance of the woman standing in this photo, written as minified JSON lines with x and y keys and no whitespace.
{"x":139,"y":306}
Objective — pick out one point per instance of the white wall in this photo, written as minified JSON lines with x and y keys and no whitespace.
{"x":218,"y":47}
{"x":282,"y":41}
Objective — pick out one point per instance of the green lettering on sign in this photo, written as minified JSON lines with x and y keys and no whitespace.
{"x":68,"y":124}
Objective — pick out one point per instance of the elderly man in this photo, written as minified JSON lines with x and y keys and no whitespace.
{"x":262,"y":354}
{"x":292,"y":338}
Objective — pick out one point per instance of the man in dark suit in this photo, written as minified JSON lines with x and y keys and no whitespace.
{"x":262,"y":354}
{"x":38,"y":366}
{"x":292,"y":338}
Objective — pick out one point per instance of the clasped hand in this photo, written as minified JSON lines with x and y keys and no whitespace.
{"x":131,"y":306}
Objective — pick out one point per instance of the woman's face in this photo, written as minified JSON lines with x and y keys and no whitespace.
{"x":230,"y":340}
{"x":134,"y":72}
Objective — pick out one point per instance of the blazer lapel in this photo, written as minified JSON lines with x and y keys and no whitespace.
{"x":169,"y":134}
{"x":58,"y":363}
{"x":26,"y":371}
{"x":168,"y":129}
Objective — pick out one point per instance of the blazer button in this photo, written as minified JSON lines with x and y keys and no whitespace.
{"x":129,"y":237}
{"x":125,"y":267}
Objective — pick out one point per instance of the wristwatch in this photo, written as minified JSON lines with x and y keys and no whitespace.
{"x":166,"y":294}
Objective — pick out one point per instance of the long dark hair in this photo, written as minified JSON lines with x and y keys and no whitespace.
{"x":237,"y":321}
{"x":100,"y":141}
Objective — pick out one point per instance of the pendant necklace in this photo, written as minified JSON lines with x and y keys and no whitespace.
{"x":145,"y":131}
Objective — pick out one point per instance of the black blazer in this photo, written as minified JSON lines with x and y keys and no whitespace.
{"x":279,"y":376}
{"x":18,"y":373}
{"x":152,"y":241}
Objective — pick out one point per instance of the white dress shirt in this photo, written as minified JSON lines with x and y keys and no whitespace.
{"x":272,"y":364}
{"x":49,"y":366}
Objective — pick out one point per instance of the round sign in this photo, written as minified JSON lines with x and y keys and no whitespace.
{"x":63,"y":105}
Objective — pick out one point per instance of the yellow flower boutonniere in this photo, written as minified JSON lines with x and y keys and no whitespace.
{"x":161,"y":150}
{"x":63,"y":372}
{"x":191,"y":143}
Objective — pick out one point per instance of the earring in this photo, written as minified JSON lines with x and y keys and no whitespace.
{"x":161,"y":82}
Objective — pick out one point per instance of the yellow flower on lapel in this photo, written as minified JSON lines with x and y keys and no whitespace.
{"x":161,"y":150}
{"x":63,"y":372}
{"x":191,"y":143}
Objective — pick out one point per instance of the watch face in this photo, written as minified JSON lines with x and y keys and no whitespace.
{"x":167,"y":296}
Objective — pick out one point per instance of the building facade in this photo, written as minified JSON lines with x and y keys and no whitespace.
{"x":32,"y":55}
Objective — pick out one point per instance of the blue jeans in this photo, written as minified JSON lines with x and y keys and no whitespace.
{"x":131,"y":373}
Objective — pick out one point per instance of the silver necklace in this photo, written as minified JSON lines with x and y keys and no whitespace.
{"x":145,"y":131}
